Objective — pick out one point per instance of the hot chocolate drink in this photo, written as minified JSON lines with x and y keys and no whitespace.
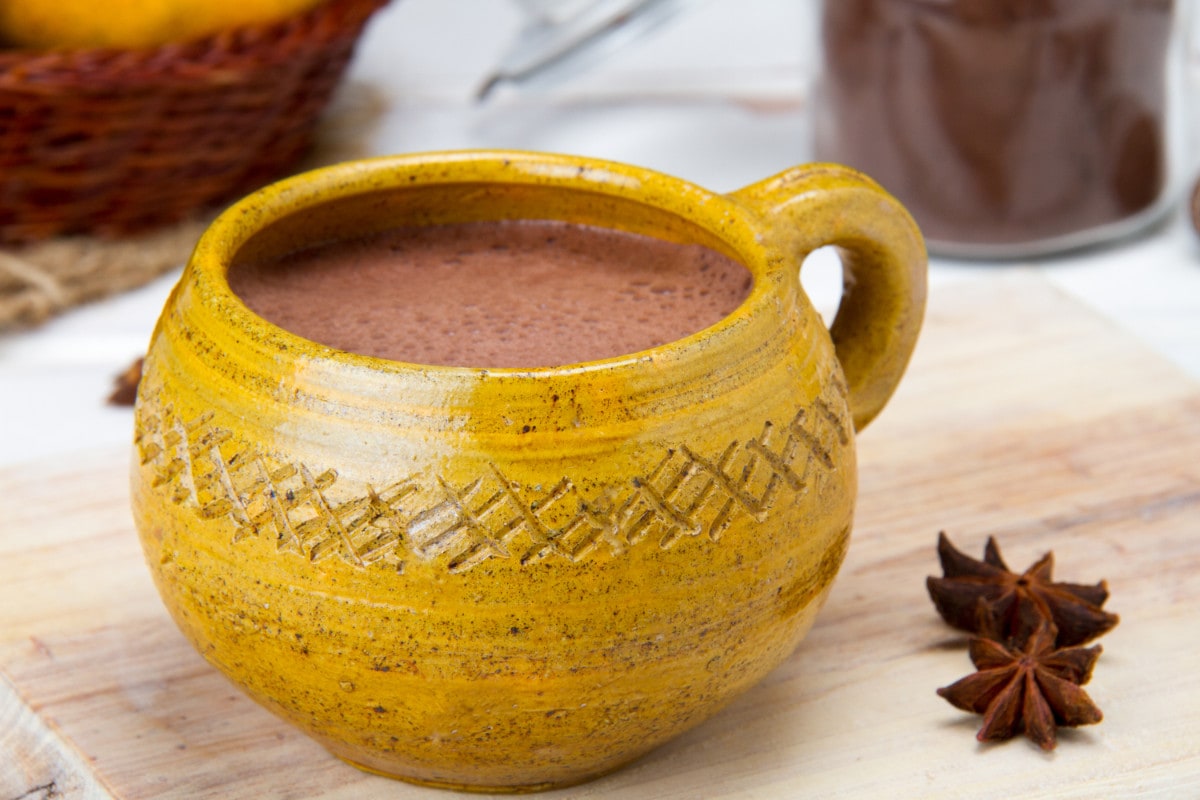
{"x":495,"y":294}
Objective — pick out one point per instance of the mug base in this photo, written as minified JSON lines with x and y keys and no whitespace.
{"x":479,"y":788}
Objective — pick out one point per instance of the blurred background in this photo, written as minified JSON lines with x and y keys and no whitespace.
{"x":720,"y":93}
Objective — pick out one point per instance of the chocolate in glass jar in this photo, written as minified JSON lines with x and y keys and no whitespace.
{"x":1007,"y":127}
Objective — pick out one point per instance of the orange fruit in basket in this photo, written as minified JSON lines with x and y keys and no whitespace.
{"x":56,"y":24}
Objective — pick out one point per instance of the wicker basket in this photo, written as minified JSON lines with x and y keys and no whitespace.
{"x":109,"y":142}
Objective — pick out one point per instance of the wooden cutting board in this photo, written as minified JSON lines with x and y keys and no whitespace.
{"x":1023,"y":415}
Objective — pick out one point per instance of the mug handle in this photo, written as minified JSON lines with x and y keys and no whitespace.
{"x":884,"y":267}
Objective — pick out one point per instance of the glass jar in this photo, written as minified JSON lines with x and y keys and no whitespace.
{"x":1007,"y":127}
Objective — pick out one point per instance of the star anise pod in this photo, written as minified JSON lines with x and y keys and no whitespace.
{"x":976,"y":595}
{"x":125,"y":385}
{"x":1033,"y":688}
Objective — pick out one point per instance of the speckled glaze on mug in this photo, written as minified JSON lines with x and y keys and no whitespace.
{"x":507,"y":579}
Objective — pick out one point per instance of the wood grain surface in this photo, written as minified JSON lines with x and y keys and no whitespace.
{"x":1023,"y":415}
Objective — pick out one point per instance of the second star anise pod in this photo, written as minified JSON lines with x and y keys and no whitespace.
{"x":985,"y":595}
{"x":125,"y":385}
{"x":1032,"y":689}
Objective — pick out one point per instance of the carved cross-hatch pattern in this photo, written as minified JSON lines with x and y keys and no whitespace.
{"x":686,"y":494}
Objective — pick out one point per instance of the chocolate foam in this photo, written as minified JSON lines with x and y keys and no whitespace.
{"x":517,"y":294}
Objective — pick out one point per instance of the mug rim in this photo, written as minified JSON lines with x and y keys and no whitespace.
{"x":720,"y":215}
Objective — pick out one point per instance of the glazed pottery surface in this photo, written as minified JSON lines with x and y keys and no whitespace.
{"x":505,"y":579}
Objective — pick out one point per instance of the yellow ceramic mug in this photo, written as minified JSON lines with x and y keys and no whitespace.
{"x":517,"y":579}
